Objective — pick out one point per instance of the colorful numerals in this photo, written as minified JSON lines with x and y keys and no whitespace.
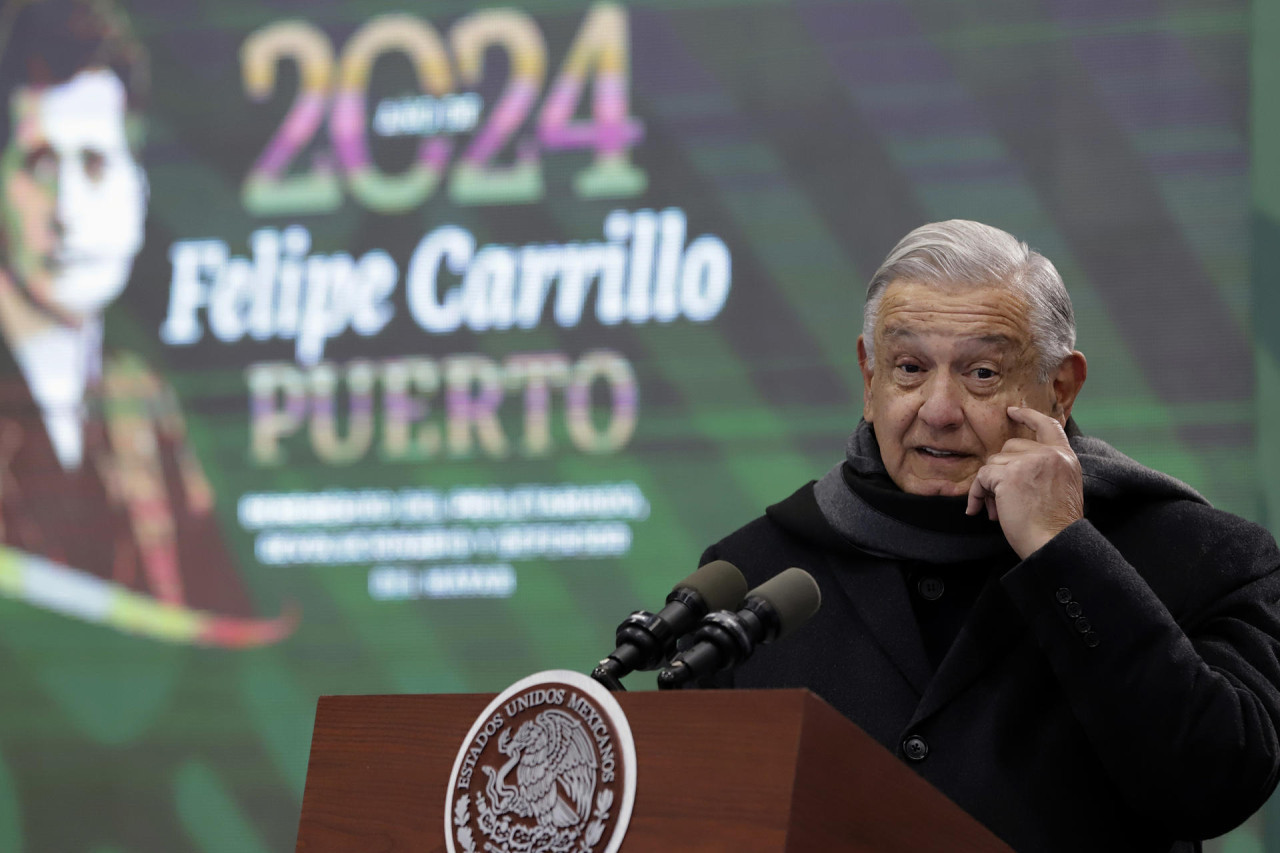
{"x":474,"y":180}
{"x":420,"y":43}
{"x":267,"y":190}
{"x":601,"y":43}
{"x":600,"y":49}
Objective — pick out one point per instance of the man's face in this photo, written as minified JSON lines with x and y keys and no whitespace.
{"x":948,"y":364}
{"x":74,"y":197}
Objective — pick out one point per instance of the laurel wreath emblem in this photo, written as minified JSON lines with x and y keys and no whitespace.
{"x":504,"y":833}
{"x":596,"y":828}
{"x":462,"y":817}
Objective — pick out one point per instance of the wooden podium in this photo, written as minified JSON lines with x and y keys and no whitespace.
{"x":731,"y":770}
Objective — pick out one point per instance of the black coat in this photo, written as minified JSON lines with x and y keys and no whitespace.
{"x":1155,"y":719}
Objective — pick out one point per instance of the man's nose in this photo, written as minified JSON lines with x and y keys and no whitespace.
{"x":58,"y":217}
{"x":942,"y":407}
{"x":69,"y":192}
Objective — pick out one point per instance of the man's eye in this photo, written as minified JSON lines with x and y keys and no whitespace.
{"x":93,"y":162}
{"x":984,"y":373}
{"x":909,"y":368}
{"x":42,"y":164}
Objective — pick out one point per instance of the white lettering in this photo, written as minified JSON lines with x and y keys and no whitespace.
{"x":282,"y":293}
{"x":641,"y":272}
{"x":448,"y":245}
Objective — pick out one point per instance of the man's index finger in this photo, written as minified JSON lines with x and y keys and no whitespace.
{"x":1047,"y":429}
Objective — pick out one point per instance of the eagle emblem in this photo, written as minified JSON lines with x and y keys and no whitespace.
{"x":555,"y":766}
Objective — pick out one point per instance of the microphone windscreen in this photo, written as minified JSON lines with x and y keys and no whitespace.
{"x":719,"y":583}
{"x":794,"y":595}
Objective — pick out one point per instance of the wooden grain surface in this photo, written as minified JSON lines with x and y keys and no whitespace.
{"x":716,"y":771}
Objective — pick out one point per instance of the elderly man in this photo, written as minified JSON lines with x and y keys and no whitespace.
{"x":1077,"y":649}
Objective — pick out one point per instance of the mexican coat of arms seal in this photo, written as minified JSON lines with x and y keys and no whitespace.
{"x":548,"y":767}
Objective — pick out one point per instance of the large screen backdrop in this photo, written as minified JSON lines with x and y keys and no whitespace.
{"x":365,"y":347}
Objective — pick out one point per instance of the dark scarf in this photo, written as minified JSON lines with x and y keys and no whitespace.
{"x":860,"y":502}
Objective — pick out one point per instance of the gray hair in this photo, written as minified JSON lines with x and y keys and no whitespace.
{"x":961,"y":252}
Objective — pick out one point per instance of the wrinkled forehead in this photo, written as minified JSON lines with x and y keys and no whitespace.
{"x":87,"y":111}
{"x":992,"y":312}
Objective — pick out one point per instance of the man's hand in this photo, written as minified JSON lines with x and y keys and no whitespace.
{"x":1033,"y":487}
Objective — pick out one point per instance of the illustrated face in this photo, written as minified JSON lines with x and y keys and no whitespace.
{"x":948,"y":364}
{"x":74,"y":196}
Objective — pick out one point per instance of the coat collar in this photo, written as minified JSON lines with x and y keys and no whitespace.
{"x":878,"y":594}
{"x":873,"y":585}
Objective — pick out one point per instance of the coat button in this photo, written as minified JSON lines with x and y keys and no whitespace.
{"x":1091,"y":639}
{"x":1063,"y":595}
{"x":915,"y":748}
{"x":1074,"y":609}
{"x":931,"y":588}
{"x":1083,"y":626}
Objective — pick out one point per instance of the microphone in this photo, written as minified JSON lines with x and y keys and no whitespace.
{"x":646,"y":640}
{"x":724,"y":639}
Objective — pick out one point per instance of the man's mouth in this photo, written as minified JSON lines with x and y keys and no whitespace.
{"x":71,"y":258}
{"x":937,"y":453}
{"x":63,"y":262}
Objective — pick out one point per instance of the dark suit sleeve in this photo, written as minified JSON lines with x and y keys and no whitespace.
{"x":1173,"y":680}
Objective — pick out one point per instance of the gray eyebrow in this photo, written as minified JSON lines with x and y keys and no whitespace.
{"x":993,"y":339}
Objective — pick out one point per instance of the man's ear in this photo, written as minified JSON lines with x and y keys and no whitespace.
{"x":866,"y":379}
{"x":1067,"y":383}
